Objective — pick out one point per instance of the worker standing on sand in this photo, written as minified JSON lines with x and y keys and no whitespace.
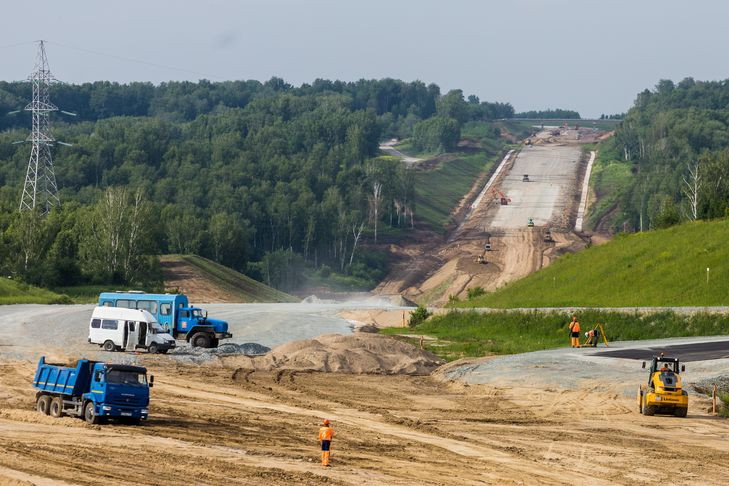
{"x":575,"y":332}
{"x":326,"y":433}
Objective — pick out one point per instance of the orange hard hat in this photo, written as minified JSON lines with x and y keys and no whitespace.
{"x":326,"y":421}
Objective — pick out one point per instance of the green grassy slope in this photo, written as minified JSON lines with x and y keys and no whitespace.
{"x":655,"y":268}
{"x":438,"y":191}
{"x":611,"y":177}
{"x":238,"y":286}
{"x":12,"y":292}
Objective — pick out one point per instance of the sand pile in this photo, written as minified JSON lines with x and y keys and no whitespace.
{"x":356,"y":353}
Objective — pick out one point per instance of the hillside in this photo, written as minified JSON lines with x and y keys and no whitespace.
{"x":12,"y":292}
{"x":657,"y":268}
{"x":206,"y":281}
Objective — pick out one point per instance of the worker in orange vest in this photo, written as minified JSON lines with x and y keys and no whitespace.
{"x":326,"y":433}
{"x":575,"y":332}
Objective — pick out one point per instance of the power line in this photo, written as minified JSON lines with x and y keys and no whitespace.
{"x":129,"y":59}
{"x":18,"y":44}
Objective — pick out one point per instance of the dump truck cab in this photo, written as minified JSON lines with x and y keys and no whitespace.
{"x":663,"y":393}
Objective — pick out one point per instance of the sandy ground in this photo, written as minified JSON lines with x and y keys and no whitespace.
{"x":213,"y":425}
{"x":559,"y":418}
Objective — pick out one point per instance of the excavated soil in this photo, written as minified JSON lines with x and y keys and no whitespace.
{"x":357,"y":353}
{"x":211,"y":425}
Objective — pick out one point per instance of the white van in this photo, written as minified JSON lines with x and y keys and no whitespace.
{"x":117,"y":329}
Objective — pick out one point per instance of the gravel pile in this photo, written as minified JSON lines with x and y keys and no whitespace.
{"x":201,"y":355}
{"x":706,"y":386}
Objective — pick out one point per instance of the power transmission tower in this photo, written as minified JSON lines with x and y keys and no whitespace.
{"x":40,"y":190}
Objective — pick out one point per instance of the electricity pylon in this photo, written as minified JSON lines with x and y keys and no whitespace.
{"x":40,"y":190}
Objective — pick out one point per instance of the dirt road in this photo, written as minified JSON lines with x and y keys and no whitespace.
{"x":434,"y":271}
{"x":31,"y":330}
{"x":214,"y":425}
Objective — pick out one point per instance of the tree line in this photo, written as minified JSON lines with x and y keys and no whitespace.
{"x":261,"y":177}
{"x":675,"y":139}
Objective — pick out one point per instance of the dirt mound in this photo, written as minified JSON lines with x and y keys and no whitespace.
{"x":357,"y":353}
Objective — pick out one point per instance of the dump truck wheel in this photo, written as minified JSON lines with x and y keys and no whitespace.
{"x":90,"y":414}
{"x":43,"y":404}
{"x":649,"y":410}
{"x":200,"y":340}
{"x":680,"y":411}
{"x":153,"y":348}
{"x":56,"y":409}
{"x":109,"y":346}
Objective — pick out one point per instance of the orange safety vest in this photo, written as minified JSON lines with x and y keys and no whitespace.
{"x":326,"y":433}
{"x":575,"y":326}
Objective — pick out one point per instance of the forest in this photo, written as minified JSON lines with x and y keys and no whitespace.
{"x":673,"y":149}
{"x":266,"y":178}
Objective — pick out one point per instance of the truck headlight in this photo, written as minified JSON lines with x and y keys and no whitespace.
{"x":145,"y":411}
{"x":106,"y":408}
{"x":658,"y":399}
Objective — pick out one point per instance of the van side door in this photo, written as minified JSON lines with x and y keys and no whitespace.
{"x":132,"y":335}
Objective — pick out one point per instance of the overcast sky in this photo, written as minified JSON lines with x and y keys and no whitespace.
{"x":593,"y":56}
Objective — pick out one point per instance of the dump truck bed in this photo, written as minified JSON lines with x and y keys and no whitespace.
{"x":54,"y":378}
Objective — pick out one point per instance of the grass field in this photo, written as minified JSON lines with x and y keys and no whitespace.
{"x":439,"y":190}
{"x":12,"y":292}
{"x":655,"y":268}
{"x":470,"y":334}
{"x":239,"y":287}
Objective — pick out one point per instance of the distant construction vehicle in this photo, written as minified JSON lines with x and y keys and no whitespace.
{"x":503,"y":199}
{"x":548,"y":236}
{"x":663,"y":393}
{"x":530,"y":223}
{"x":525,"y":178}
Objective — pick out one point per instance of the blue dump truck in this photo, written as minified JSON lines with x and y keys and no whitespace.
{"x":93,"y":391}
{"x":174,"y":313}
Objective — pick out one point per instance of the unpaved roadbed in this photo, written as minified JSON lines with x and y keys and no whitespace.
{"x":210,"y":425}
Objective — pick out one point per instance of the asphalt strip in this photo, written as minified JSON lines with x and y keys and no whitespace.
{"x":684,"y":352}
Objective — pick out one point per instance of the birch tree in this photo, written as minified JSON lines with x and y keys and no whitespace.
{"x":112,"y":247}
{"x":375,"y":203}
{"x":691,"y":189}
